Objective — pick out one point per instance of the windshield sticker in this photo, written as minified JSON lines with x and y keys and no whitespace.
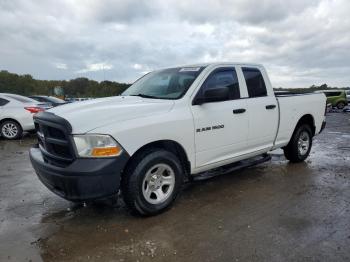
{"x":190,"y":69}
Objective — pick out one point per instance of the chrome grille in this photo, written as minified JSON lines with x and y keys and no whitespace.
{"x":54,"y":140}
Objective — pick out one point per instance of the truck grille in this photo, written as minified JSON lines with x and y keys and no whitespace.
{"x":54,"y":139}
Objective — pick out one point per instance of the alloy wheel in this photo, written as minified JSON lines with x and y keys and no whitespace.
{"x":158,"y":183}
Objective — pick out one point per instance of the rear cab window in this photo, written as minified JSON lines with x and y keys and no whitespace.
{"x":254,"y":81}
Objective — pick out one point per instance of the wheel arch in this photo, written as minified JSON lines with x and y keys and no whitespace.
{"x":10,"y":119}
{"x":309,"y":120}
{"x":169,"y":145}
{"x":341,"y":100}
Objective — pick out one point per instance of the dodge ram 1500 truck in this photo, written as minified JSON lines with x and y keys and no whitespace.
{"x":168,"y":127}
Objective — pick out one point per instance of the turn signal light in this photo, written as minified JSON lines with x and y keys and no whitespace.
{"x":33,"y":109}
{"x":105,"y":151}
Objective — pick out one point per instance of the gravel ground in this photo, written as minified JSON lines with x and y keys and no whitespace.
{"x":274,"y":211}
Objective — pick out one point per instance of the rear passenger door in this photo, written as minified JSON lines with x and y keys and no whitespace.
{"x":262,"y":109}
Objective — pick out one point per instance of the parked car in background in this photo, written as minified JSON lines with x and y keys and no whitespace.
{"x":69,"y":100}
{"x":77,"y":99}
{"x":54,"y":101}
{"x":16,"y":114}
{"x":336,"y":97}
{"x":348,"y":95}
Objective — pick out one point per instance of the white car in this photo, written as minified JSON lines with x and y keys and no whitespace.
{"x":16,"y":114}
{"x":169,"y":127}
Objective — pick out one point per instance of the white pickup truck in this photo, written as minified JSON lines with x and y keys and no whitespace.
{"x":168,"y":127}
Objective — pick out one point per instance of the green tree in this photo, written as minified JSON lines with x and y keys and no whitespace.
{"x":79,"y":87}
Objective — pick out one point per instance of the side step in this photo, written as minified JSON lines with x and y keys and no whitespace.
{"x":231,"y":167}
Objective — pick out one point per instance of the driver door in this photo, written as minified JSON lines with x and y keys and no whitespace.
{"x":220,"y":126}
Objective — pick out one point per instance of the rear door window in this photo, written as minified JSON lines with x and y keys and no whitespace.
{"x":255,"y":82}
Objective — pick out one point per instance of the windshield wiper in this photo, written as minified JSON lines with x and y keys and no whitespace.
{"x":146,"y":96}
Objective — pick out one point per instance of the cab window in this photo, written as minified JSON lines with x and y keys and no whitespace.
{"x":255,"y":82}
{"x":223,"y":77}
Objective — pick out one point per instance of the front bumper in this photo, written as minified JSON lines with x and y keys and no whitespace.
{"x":84,"y":179}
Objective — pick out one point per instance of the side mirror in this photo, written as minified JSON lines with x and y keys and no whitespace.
{"x":216,"y":94}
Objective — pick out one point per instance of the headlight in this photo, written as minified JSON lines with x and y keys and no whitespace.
{"x":91,"y":145}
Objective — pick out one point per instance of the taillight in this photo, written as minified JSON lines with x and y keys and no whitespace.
{"x":33,"y":109}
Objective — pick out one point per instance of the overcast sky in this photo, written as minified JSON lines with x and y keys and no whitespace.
{"x":300,"y":42}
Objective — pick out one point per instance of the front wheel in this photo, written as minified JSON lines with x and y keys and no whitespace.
{"x":299,"y":147}
{"x":152,"y":181}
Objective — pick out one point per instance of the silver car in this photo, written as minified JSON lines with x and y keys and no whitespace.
{"x":16,"y":114}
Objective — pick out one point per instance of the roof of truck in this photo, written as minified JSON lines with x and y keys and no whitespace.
{"x":220,"y":63}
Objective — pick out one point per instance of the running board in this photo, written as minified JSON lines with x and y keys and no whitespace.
{"x":231,"y":167}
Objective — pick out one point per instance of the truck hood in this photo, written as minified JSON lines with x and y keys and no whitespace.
{"x":88,"y":115}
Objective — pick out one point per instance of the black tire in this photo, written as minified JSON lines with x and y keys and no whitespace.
{"x":16,"y":132}
{"x":291,"y":151}
{"x":340,"y":105}
{"x":134,"y":177}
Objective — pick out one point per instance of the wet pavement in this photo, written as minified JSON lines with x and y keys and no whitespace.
{"x":275,"y":211}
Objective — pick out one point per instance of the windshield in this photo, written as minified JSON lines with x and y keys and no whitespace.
{"x":170,"y":83}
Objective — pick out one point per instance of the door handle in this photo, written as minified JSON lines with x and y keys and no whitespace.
{"x":239,"y":111}
{"x":270,"y":106}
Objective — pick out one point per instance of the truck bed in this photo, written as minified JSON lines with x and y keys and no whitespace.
{"x":292,"y":106}
{"x":290,"y":93}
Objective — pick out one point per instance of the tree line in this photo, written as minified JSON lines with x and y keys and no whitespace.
{"x":83,"y":87}
{"x":79,"y":87}
{"x":312,"y":88}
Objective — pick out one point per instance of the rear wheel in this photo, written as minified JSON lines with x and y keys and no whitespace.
{"x":11,"y":130}
{"x":152,"y":181}
{"x":340,"y":105}
{"x":299,"y":147}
